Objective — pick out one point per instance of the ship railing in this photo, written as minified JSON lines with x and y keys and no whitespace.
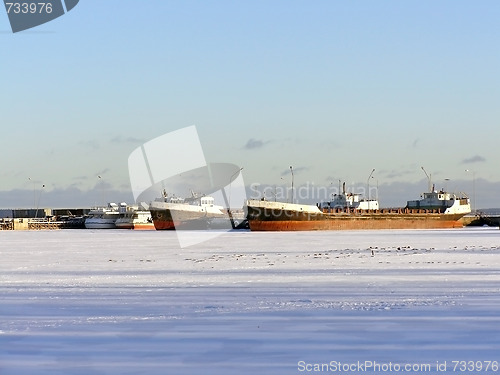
{"x":397,"y":211}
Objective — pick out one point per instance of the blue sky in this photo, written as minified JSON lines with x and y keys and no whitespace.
{"x":333,"y":88}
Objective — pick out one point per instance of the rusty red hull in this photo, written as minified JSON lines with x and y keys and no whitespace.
{"x":275,"y":220}
{"x":164,"y":225}
{"x":163,"y":220}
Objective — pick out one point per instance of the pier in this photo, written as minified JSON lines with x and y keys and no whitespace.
{"x":42,"y":219}
{"x":480,"y":220}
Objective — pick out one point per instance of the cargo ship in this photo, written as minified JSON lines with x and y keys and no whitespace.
{"x":435,"y":209}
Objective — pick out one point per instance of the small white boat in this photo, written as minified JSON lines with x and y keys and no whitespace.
{"x":102,"y":217}
{"x":134,"y":217}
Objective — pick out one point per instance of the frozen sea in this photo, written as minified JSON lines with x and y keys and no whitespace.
{"x":134,"y":302}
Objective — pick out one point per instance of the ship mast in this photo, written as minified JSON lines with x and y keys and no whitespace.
{"x":368,"y":186}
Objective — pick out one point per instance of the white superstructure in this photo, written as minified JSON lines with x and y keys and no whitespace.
{"x":134,"y":217}
{"x":204,"y":205}
{"x":102,"y":217}
{"x":448,"y":202}
{"x":346,"y":200}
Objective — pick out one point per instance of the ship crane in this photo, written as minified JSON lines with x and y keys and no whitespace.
{"x":428,"y":180}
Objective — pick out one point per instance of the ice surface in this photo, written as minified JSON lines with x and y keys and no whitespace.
{"x":133,"y":302}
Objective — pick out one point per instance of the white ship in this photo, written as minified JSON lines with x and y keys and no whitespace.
{"x":134,"y":217}
{"x":195,"y":212}
{"x":102,"y":217}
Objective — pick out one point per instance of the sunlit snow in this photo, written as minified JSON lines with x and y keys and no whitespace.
{"x":132,"y":302}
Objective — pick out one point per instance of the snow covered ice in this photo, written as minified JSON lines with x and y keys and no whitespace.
{"x":132,"y":302}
